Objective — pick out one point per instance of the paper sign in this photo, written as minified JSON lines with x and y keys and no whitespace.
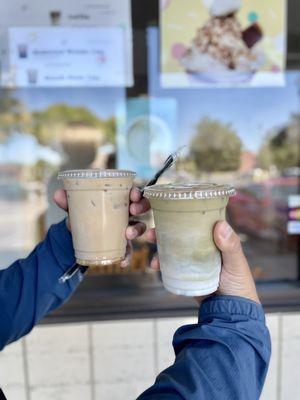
{"x":62,"y":14}
{"x":67,"y":56}
{"x":222,"y":43}
{"x":147,"y":134}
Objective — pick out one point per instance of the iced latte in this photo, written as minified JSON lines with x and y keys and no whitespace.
{"x":98,"y":202}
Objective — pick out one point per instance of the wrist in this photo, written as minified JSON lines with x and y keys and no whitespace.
{"x":245,"y":293}
{"x":241,"y":285}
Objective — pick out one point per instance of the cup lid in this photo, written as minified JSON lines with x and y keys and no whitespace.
{"x":188,"y":191}
{"x":95,"y":174}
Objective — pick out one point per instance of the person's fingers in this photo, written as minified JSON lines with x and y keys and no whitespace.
{"x":126,"y":262}
{"x":140,"y":207}
{"x":155,"y":263}
{"x":229,"y":244}
{"x":60,"y":198}
{"x":135,"y":194}
{"x":135,"y":229}
{"x":150,"y":235}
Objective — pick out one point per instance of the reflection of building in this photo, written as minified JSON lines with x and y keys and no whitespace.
{"x":248,"y":162}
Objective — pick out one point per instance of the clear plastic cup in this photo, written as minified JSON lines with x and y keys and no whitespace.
{"x":184,"y":216}
{"x":98,"y":202}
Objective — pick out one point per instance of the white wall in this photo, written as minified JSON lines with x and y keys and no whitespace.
{"x":118,"y":360}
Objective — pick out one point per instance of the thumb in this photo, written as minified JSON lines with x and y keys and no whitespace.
{"x":60,"y":198}
{"x":230,"y":246}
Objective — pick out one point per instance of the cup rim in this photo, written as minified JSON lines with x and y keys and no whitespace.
{"x":95,"y":173}
{"x":188,"y":191}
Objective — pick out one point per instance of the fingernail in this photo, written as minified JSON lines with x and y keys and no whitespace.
{"x":132,"y":233}
{"x":225,"y":230}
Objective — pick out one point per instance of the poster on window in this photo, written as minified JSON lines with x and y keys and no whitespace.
{"x":74,"y":56}
{"x":222,"y":43}
{"x":147,"y":134}
{"x":32,"y":31}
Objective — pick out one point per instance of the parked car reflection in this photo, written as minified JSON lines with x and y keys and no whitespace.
{"x":261,"y":209}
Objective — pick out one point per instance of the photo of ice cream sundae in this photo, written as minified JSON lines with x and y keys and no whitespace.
{"x":222,"y":50}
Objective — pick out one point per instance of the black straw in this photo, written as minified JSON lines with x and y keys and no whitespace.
{"x":167,"y":164}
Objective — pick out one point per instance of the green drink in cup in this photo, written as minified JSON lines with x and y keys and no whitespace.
{"x":184,"y":216}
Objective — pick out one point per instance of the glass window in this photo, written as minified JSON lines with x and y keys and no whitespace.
{"x":56,"y":114}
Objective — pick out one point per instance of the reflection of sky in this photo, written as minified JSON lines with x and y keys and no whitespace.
{"x":24,"y":149}
{"x":252,"y":113}
{"x":101,"y":102}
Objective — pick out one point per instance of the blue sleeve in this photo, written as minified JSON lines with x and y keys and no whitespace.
{"x":225,"y":356}
{"x":29,"y":288}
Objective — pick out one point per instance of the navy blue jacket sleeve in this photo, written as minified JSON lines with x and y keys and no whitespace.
{"x":225,"y":356}
{"x":29,"y":288}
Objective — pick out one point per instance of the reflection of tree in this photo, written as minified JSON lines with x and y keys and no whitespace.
{"x":215,"y":147}
{"x":49,"y":123}
{"x":281,"y":147}
{"x":42,"y":170}
{"x":77,"y":129}
{"x":13,"y":114}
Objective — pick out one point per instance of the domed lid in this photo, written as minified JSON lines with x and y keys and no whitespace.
{"x":95,"y":174}
{"x":188,"y":191}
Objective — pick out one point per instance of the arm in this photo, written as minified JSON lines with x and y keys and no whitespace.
{"x":29,"y":288}
{"x":225,"y":356}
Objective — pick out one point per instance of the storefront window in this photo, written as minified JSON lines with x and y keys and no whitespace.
{"x":112,"y":84}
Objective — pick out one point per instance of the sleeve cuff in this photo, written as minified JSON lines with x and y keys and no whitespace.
{"x":230,"y":308}
{"x":62,"y":245}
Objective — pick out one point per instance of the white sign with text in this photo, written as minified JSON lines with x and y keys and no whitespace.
{"x":68,"y":56}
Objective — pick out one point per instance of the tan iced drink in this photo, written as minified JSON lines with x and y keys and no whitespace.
{"x":185,"y":215}
{"x":98,"y":202}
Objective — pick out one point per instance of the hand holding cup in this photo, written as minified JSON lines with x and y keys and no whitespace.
{"x":98,"y":204}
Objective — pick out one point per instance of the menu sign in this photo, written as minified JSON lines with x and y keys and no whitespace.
{"x":66,"y":43}
{"x":67,"y":56}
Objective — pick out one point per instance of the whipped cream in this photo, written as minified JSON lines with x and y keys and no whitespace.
{"x":196,"y":61}
{"x":221,"y":8}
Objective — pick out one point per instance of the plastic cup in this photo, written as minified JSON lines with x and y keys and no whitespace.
{"x":98,"y":202}
{"x":184,"y":216}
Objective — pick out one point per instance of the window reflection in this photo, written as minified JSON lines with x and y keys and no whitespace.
{"x":248,"y":137}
